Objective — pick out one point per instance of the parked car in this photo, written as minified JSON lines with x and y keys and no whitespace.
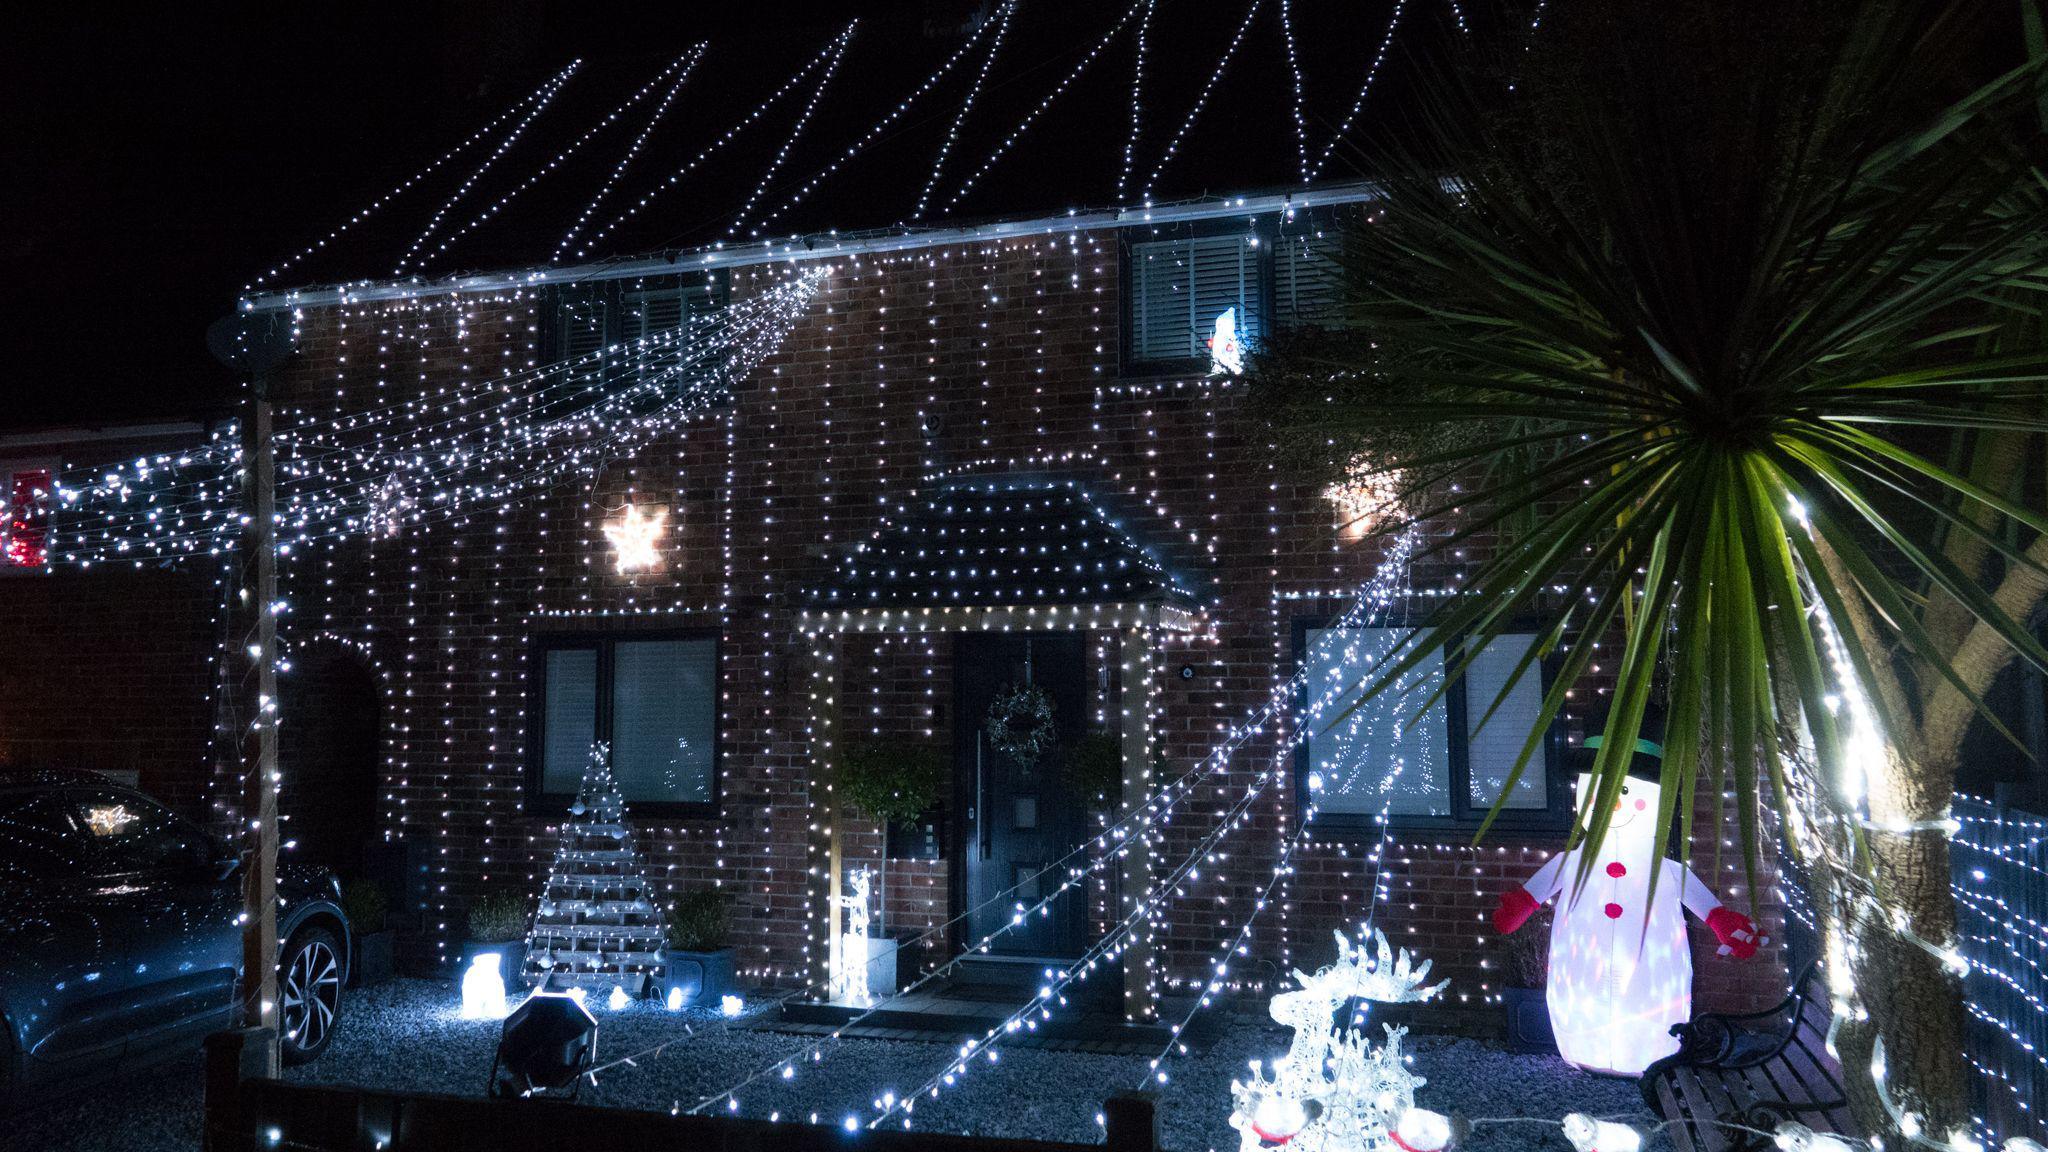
{"x":119,"y":933}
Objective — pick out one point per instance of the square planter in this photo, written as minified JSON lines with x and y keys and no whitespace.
{"x":703,"y":976}
{"x":371,"y":957}
{"x":881,"y":962}
{"x":1528,"y":1020}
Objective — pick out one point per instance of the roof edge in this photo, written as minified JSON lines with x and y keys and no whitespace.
{"x":813,"y":246}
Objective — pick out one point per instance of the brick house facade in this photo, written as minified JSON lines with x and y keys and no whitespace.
{"x":975,"y":353}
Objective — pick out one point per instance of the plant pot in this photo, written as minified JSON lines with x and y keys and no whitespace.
{"x":703,"y":976}
{"x":1528,"y":1020}
{"x":511,"y":967}
{"x":371,"y":957}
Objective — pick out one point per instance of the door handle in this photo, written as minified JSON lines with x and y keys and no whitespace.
{"x":981,"y":801}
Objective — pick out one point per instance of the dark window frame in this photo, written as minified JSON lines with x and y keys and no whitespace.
{"x":1553,"y":818}
{"x":1272,"y":230}
{"x":611,"y":296}
{"x":605,"y":643}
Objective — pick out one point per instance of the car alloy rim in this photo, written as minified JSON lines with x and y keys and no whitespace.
{"x":312,"y":992}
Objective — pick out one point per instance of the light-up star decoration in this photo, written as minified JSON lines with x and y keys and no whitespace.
{"x":1226,"y":351}
{"x":636,"y":539}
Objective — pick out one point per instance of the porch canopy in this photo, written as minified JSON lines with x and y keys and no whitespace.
{"x":1009,"y":553}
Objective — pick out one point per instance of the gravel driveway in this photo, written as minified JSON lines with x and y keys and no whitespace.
{"x":404,"y":1035}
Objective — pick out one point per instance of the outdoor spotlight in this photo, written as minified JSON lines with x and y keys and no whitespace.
{"x":548,"y":1044}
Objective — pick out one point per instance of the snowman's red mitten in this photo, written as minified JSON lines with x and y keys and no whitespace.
{"x":1736,"y":932}
{"x":1515,"y":908}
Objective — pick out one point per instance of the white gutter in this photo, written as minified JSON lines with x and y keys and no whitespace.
{"x":813,"y":247}
{"x":99,"y":434}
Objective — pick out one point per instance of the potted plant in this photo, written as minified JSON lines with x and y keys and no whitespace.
{"x":891,"y":784}
{"x":1521,"y":994}
{"x":370,"y":936}
{"x":497,"y":923}
{"x":696,"y":957}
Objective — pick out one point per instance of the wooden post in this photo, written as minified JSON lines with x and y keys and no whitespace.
{"x":1136,"y":874}
{"x":255,"y":633}
{"x":1130,"y":1122}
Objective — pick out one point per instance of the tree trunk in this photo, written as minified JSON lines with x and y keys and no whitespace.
{"x":1907,"y":995}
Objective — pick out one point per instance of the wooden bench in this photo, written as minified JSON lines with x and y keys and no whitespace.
{"x":1754,"y":1070}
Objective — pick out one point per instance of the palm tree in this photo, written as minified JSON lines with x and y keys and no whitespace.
{"x":1725,"y":325}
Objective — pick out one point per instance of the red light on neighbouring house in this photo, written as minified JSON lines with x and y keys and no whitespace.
{"x":25,"y":542}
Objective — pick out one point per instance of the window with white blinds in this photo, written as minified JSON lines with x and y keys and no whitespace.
{"x":1431,"y":762}
{"x":664,"y":700}
{"x":1491,"y":747}
{"x":568,"y":717}
{"x":654,"y":699}
{"x":1307,"y":278}
{"x":1180,"y":287}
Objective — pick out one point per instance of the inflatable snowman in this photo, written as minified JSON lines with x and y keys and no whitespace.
{"x":1615,"y":989}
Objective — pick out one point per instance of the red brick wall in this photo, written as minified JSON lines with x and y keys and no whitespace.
{"x":1007,"y":352}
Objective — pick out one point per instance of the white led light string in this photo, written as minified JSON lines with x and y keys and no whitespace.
{"x":1294,"y":71}
{"x":728,"y":136}
{"x":995,"y":45}
{"x":1371,"y":73}
{"x":462,"y":190}
{"x":1031,"y":117}
{"x":687,"y":62}
{"x":803,"y":121}
{"x":1123,"y":176}
{"x":1202,"y":101}
{"x":611,"y":179}
{"x":317,"y":246}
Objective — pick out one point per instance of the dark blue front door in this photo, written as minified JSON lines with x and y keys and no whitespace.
{"x":1018,"y":817}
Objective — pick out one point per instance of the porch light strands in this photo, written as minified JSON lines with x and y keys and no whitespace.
{"x":995,"y":45}
{"x":505,"y":145}
{"x":1202,"y":100}
{"x":611,"y":179}
{"x":728,"y":136}
{"x":803,"y":121}
{"x":687,"y":62}
{"x":403,"y":186}
{"x":1031,"y":117}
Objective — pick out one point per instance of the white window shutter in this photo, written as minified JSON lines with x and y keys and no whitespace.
{"x":1307,"y":279}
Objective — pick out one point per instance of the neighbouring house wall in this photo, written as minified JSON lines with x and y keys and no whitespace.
{"x":972,"y":358}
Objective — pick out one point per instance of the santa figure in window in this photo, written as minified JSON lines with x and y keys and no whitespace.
{"x":1620,"y":966}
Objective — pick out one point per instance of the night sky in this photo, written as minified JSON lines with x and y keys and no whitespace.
{"x":158,"y":157}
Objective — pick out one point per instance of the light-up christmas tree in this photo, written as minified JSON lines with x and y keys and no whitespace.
{"x":598,"y":925}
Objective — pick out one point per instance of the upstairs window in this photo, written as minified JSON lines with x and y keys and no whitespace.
{"x":29,"y":495}
{"x":652,"y":697}
{"x":644,"y":322}
{"x":1180,"y":287}
{"x":1443,"y":768}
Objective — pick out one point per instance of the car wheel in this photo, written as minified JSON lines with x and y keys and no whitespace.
{"x":309,"y":987}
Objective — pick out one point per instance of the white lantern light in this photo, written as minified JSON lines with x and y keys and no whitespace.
{"x":1590,"y":1135}
{"x":675,"y":998}
{"x":731,"y":1005}
{"x":1421,"y":1130}
{"x":483,"y":988}
{"x":2023,"y":1144}
{"x":1792,"y":1136}
{"x":618,"y":999}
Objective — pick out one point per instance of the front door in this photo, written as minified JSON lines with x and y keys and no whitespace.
{"x":1017,"y":815}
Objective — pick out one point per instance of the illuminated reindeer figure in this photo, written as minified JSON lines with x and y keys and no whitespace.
{"x":850,"y":982}
{"x":1334,"y":1092}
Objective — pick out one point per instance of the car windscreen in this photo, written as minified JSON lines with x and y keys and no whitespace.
{"x":134,"y":834}
{"x":38,"y":839}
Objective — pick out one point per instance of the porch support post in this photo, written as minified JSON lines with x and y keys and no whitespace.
{"x":828,"y":842}
{"x":1135,"y":702}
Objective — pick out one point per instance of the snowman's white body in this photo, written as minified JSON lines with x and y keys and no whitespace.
{"x":1620,"y":964}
